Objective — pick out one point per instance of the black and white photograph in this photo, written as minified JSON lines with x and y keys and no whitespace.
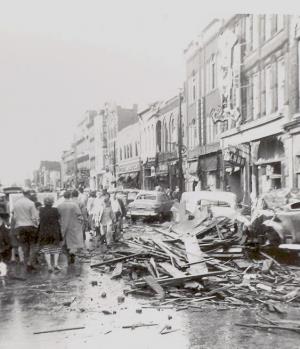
{"x":150,"y":174}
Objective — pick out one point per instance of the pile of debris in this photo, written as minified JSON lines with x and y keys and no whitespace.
{"x":201,"y":260}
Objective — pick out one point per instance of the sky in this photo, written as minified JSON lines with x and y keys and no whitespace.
{"x":59,"y":58}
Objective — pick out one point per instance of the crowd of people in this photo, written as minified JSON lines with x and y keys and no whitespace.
{"x":48,"y":229}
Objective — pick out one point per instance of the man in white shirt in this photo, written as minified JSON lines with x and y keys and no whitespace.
{"x":26,"y":220}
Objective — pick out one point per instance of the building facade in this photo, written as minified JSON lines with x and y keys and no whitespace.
{"x":129,"y":163}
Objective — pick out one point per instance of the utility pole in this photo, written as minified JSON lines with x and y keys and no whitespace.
{"x":180,"y":171}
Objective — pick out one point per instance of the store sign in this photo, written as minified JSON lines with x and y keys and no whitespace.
{"x":129,"y":168}
{"x":233,"y":157}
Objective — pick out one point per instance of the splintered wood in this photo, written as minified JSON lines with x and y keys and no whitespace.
{"x":201,"y":260}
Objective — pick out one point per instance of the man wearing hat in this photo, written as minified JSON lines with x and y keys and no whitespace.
{"x":25,"y":216}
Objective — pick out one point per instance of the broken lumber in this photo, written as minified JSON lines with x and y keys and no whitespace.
{"x":156,"y":287}
{"x":116,"y":260}
{"x":60,"y":330}
{"x":181,"y":280}
{"x":117,"y":271}
{"x":194,"y":255}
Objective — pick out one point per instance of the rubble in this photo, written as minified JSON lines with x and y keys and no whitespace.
{"x":199,"y":261}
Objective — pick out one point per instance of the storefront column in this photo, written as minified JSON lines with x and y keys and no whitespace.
{"x":288,"y":163}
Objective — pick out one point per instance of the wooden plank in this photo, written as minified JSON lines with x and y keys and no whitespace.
{"x":195,"y":255}
{"x":117,"y":271}
{"x":156,"y":287}
{"x":181,"y":280}
{"x":152,"y":262}
{"x":170,"y":269}
{"x":116,"y":260}
{"x":149,"y":268}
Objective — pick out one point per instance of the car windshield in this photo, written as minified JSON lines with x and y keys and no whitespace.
{"x":146,"y":197}
{"x":213,"y":203}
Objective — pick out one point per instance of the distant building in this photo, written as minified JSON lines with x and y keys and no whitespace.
{"x":48,"y":176}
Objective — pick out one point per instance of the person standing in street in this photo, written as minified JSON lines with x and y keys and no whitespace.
{"x":5,"y":245}
{"x":96,"y":211}
{"x":82,"y":206}
{"x":119,"y":211}
{"x":90,"y":207}
{"x":71,"y":226}
{"x":25,"y":216}
{"x":50,"y":233}
{"x":107,"y":220}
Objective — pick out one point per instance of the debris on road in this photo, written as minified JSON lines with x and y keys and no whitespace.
{"x":60,"y":330}
{"x":203,"y":259}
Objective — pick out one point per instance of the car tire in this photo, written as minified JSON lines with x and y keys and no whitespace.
{"x":133,"y":219}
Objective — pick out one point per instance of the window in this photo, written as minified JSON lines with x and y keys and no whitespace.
{"x":256,"y":95}
{"x":120,"y":154}
{"x":269,"y":22}
{"x":192,"y":88}
{"x":263,"y":92}
{"x":280,"y":22}
{"x":255,"y":32}
{"x":249,"y":33}
{"x":213,"y":72}
{"x":262,"y":28}
{"x":268,"y":90}
{"x":130,"y":150}
{"x":280,"y":83}
{"x":250,"y":98}
{"x":136,"y":149}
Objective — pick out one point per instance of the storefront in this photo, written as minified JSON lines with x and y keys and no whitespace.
{"x":234,"y":170}
{"x":269,"y":164}
{"x":129,"y":175}
{"x":149,"y":174}
{"x":191,"y":177}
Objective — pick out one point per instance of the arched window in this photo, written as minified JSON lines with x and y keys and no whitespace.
{"x":166,"y":138}
{"x":158,"y":136}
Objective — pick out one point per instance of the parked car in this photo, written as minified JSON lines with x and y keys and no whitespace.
{"x":150,"y":204}
{"x":221,"y":204}
{"x":283,"y":229}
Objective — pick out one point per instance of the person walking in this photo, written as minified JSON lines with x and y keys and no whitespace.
{"x":49,"y":231}
{"x":71,"y":226}
{"x":25,"y":216}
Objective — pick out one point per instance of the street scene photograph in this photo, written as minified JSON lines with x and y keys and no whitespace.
{"x":150,"y":175}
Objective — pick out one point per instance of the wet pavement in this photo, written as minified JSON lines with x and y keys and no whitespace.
{"x":70,"y":298}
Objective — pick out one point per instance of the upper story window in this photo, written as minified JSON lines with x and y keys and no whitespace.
{"x":120,"y":153}
{"x":249,"y":33}
{"x":211,"y":80}
{"x":136,"y":149}
{"x":192,"y":88}
{"x":280,"y":83}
